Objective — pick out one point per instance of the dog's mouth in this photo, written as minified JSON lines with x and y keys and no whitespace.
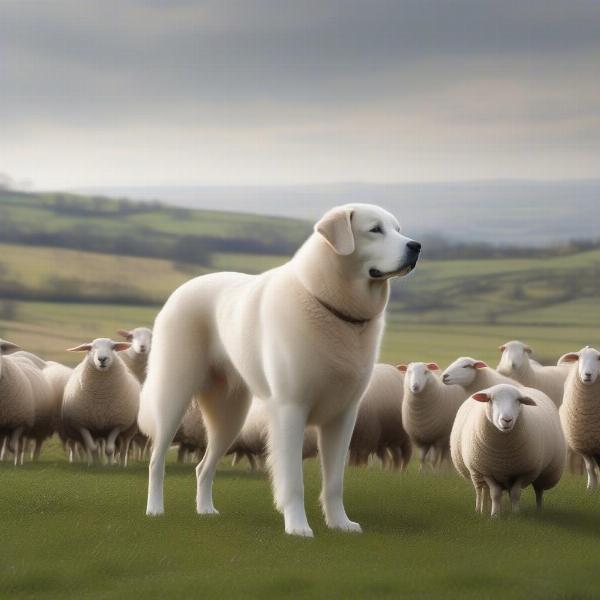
{"x":401,"y":272}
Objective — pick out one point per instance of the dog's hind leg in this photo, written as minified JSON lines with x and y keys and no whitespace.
{"x":224,"y":408}
{"x":334,"y":439}
{"x":286,"y":430}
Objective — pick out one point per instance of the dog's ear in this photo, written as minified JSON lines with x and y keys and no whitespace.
{"x":8,"y":347}
{"x":336,"y":227}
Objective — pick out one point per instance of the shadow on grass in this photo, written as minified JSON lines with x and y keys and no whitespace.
{"x":575,"y":522}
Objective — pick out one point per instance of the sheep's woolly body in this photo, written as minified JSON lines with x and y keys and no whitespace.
{"x":192,"y":432}
{"x":428,"y":415}
{"x":550,"y":380}
{"x":100,"y":401}
{"x":16,"y":397}
{"x":45,"y":408}
{"x":533,"y":452}
{"x":580,"y":415}
{"x":137,"y":363}
{"x":379,"y":429}
{"x":485,"y":378}
{"x":57,"y":376}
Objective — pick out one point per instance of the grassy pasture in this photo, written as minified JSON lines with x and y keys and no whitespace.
{"x":69,"y":531}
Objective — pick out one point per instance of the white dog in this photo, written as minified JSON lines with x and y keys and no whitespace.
{"x":302,"y":337}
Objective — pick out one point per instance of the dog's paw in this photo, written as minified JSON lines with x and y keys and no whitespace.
{"x":347,"y":525}
{"x":304,"y":531}
{"x":207,"y":510}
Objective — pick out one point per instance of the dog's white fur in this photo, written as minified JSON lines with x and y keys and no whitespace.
{"x":281,"y":336}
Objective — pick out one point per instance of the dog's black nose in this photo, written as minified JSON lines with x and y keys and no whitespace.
{"x":414,"y":246}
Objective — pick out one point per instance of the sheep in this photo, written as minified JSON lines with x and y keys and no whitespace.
{"x":517,"y":364}
{"x":378,"y":429}
{"x":136,"y":357}
{"x":253,"y":440}
{"x":17,"y":408}
{"x":428,"y":410}
{"x":580,"y":409}
{"x":34,"y":359}
{"x":191,"y":435}
{"x":473,"y":375}
{"x":507,"y":437}
{"x":57,"y":376}
{"x":101,"y":399}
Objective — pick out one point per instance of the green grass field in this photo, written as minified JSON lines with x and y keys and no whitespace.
{"x":79,"y":532}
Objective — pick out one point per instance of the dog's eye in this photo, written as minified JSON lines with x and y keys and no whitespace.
{"x":376,"y":229}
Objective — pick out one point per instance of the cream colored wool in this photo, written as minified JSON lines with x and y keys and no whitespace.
{"x":100,"y":401}
{"x":534,"y":452}
{"x":137,"y":363}
{"x":428,"y":416}
{"x":485,"y":378}
{"x":17,"y":408}
{"x":549,"y":379}
{"x":378,"y":429}
{"x":32,"y":358}
{"x":191,"y":435}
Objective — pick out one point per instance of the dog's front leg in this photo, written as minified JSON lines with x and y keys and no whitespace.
{"x":334,"y":440}
{"x":285,"y":458}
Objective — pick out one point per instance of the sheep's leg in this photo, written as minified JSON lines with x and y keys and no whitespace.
{"x":180,"y":454}
{"x":434,"y":456}
{"x":539,"y":498}
{"x":15,"y":443}
{"x":590,"y":466}
{"x":334,"y":440}
{"x":35,"y":455}
{"x":236,"y":459}
{"x":224,"y":418}
{"x":126,"y":447}
{"x":90,"y":445}
{"x":496,"y":495}
{"x":422,"y":455}
{"x":4,"y":448}
{"x":515,"y":495}
{"x":110,"y":443}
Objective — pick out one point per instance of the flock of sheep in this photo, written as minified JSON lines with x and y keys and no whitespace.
{"x":504,"y":429}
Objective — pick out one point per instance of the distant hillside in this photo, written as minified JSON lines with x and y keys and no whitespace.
{"x":120,"y":226}
{"x":504,"y":212}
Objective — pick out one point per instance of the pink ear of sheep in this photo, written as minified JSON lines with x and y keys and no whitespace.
{"x":568,"y":358}
{"x":80,"y":348}
{"x":120,"y":346}
{"x":527,"y":401}
{"x":402,"y":368}
{"x":433,"y":366}
{"x":481,"y":397}
{"x":128,"y":335}
{"x":479,"y":365}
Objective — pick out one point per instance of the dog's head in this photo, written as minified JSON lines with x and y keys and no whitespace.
{"x":372,"y":236}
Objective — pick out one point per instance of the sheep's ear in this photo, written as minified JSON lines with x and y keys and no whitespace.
{"x":336,"y":227}
{"x":527,"y":349}
{"x":128,"y":335}
{"x":402,"y":368}
{"x":80,"y":348}
{"x":433,"y":366}
{"x":527,"y":401}
{"x":479,"y":365}
{"x":8,"y":347}
{"x":502,"y":348}
{"x":120,"y":346}
{"x":568,"y":358}
{"x":481,"y":397}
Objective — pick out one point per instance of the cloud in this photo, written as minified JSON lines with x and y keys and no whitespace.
{"x":288,"y":89}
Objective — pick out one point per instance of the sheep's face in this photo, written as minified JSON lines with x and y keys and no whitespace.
{"x":418,"y":375}
{"x":101,"y":352}
{"x":588,"y":367}
{"x":140,"y":338}
{"x":504,"y":403}
{"x":372,"y":236}
{"x":514,"y":355}
{"x":462,"y":371}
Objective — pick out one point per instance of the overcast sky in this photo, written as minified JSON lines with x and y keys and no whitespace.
{"x":260,"y":92}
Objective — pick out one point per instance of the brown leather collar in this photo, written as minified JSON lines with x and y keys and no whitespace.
{"x":340,"y":315}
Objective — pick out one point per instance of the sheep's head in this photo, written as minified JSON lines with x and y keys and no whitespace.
{"x":140,"y":338}
{"x":515,"y":355}
{"x":418,"y":375}
{"x":101,"y":352}
{"x":462,"y":371}
{"x":504,"y":403}
{"x":6,"y":348}
{"x":588,"y":367}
